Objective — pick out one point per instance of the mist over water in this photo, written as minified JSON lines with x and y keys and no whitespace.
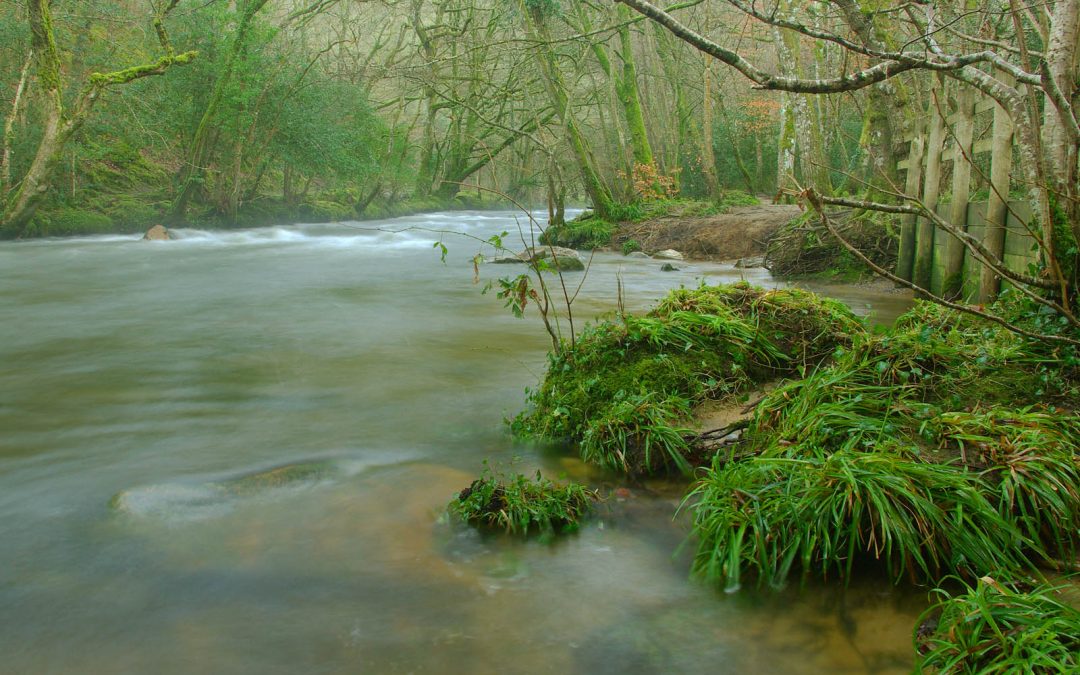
{"x":229,"y":453}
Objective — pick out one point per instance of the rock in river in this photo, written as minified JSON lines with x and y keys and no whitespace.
{"x":158,"y":233}
{"x":668,"y":254}
{"x":566,"y":259}
{"x":749,"y":263}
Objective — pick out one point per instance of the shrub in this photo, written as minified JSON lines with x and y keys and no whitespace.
{"x":520,"y":505}
{"x":68,"y":222}
{"x":582,"y":233}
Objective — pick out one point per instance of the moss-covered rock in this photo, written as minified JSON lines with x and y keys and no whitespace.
{"x":625,"y":390}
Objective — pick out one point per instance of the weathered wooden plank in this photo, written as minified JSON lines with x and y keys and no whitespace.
{"x":924,"y":247}
{"x":1020,"y":244}
{"x":961,"y":186}
{"x":996,"y":210}
{"x":905,"y":259}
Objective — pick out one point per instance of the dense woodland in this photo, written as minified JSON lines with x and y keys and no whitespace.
{"x":121,"y":114}
{"x":256,"y":110}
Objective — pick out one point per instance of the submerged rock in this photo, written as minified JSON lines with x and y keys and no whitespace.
{"x":750,"y":263}
{"x":668,"y":254}
{"x":158,"y":233}
{"x":185,"y":501}
{"x":668,"y":267}
{"x":638,"y":254}
{"x":505,"y":260}
{"x":567,"y":259}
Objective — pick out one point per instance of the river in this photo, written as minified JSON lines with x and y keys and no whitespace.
{"x":147,"y":387}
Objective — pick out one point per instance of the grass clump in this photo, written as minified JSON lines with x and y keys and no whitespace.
{"x":625,"y":391}
{"x":521,"y":505}
{"x":992,"y":628}
{"x":926,"y":448}
{"x":771,"y":515}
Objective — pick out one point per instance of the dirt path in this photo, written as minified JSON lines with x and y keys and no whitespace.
{"x":741,"y":232}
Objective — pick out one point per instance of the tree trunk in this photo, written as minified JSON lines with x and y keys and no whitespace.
{"x":59,"y":124}
{"x":193,"y":172}
{"x":557,"y":91}
{"x":9,"y":128}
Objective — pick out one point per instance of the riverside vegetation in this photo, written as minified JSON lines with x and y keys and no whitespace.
{"x":943,"y":447}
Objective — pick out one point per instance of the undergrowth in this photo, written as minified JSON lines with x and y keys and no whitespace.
{"x":991,"y":627}
{"x":625,"y":391}
{"x":934,"y":449}
{"x":804,"y":248}
{"x":522,"y":505}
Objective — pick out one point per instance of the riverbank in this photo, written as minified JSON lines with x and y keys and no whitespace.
{"x":941,"y":448}
{"x":753,"y":232}
{"x":125,"y":215}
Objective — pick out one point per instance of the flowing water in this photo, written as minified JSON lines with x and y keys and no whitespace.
{"x":229,"y":453}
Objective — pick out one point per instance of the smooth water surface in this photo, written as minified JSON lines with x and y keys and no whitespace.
{"x":147,"y":388}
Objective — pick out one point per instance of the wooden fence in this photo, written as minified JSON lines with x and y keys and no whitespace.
{"x":964,"y":127}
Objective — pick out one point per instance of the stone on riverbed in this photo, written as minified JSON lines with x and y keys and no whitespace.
{"x":566,"y":259}
{"x":668,"y":254}
{"x":749,"y":263}
{"x":157,"y":233}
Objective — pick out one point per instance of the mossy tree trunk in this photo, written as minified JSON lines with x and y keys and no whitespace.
{"x":594,"y":185}
{"x":59,"y":122}
{"x":624,"y":80}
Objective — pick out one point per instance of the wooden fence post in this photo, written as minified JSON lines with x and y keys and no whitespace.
{"x":905,"y":259}
{"x":952,"y":285}
{"x":997,"y":206}
{"x":924,"y":247}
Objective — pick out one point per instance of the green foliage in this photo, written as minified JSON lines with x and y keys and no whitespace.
{"x":638,"y":434}
{"x":626,"y":387}
{"x":522,"y":505}
{"x":772,"y":514}
{"x":919,"y":447}
{"x":1029,"y":460}
{"x":322,"y":211}
{"x":990,"y":627}
{"x":630,"y":245}
{"x":66,"y":222}
{"x":585,"y":232}
{"x":733,"y":198}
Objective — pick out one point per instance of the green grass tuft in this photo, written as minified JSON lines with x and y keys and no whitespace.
{"x":522,"y":505}
{"x":992,"y":628}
